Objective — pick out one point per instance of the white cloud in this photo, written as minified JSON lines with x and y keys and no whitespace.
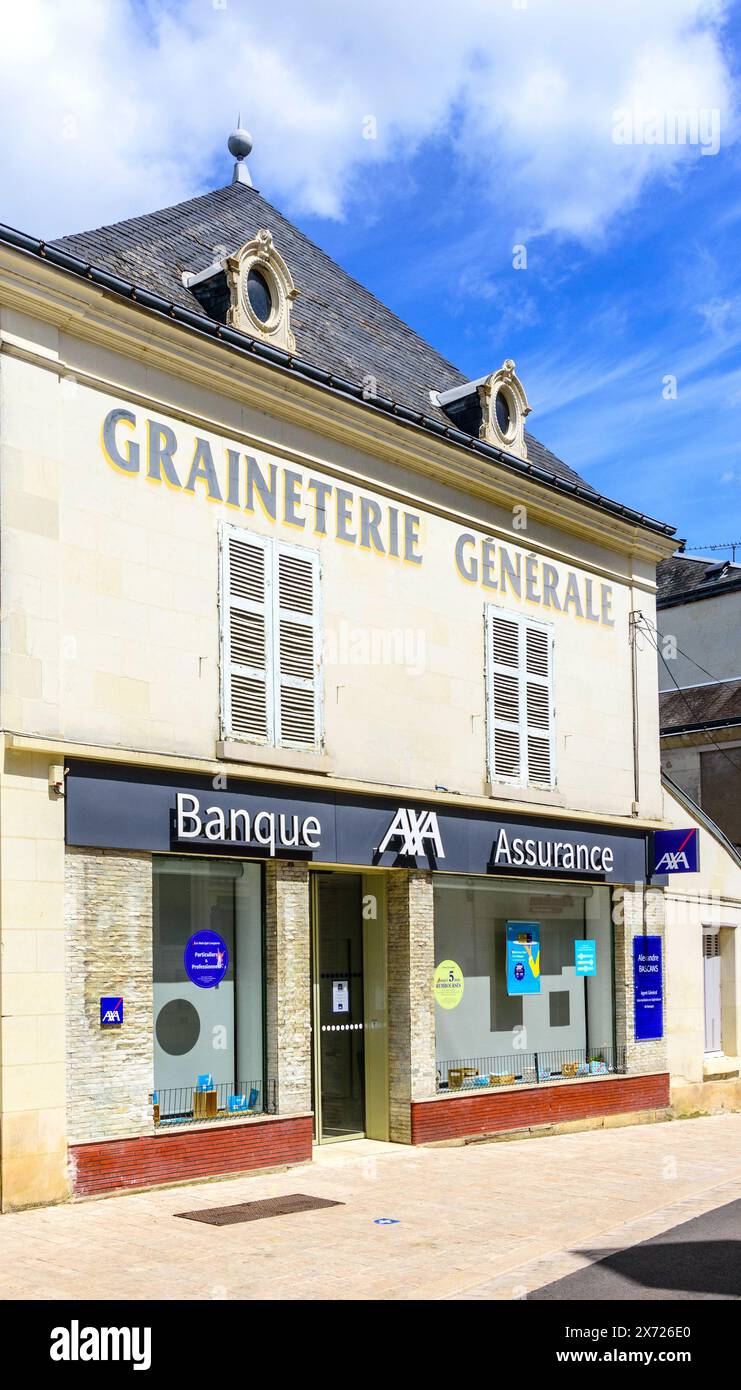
{"x":109,"y":109}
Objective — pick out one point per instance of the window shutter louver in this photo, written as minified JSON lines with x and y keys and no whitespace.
{"x":246,"y":637}
{"x":519,"y":681}
{"x":538,"y":704}
{"x":271,"y":687}
{"x":297,"y":647}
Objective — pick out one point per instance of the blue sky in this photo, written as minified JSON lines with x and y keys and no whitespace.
{"x":490,"y":129}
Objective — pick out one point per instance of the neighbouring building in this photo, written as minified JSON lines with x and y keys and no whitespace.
{"x":699,"y":628}
{"x":330,"y":771}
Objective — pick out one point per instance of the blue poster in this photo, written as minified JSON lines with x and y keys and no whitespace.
{"x":677,"y":851}
{"x":206,"y":959}
{"x":523,"y":957}
{"x":585,"y":957}
{"x":648,"y":990}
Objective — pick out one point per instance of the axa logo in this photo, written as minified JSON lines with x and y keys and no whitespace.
{"x":672,"y":863}
{"x":676,"y":851}
{"x":111,"y":1010}
{"x":413,"y":832}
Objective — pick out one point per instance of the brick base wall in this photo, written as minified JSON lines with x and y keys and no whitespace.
{"x":163,"y":1158}
{"x":498,"y":1111}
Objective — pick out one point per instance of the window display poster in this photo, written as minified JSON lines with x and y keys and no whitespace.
{"x":448,"y":984}
{"x":523,"y":957}
{"x":206,"y":959}
{"x":585,"y":957}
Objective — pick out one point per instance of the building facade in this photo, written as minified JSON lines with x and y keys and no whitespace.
{"x":331,"y":762}
{"x":699,"y":631}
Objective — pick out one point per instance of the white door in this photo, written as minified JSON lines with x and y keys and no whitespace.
{"x":711,"y":962}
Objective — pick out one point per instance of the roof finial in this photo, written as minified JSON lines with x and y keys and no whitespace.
{"x":240,"y":144}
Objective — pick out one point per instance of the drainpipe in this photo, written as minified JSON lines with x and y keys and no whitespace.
{"x":634,"y":618}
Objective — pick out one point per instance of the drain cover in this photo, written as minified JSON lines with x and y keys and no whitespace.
{"x":256,"y":1211}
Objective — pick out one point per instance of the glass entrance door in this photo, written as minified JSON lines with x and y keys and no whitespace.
{"x":339,"y":1020}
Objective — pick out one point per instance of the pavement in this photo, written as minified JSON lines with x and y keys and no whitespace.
{"x":484,"y":1221}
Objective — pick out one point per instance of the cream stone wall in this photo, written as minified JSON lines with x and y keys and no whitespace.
{"x":33,"y":1151}
{"x":111,"y":629}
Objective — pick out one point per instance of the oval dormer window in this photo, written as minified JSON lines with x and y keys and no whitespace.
{"x":258,"y":290}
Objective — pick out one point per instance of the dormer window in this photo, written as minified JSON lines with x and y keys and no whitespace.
{"x":252,"y":290}
{"x":492,"y":408}
{"x":262,"y":292}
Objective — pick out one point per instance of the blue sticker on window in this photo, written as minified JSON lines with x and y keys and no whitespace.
{"x":206,"y":959}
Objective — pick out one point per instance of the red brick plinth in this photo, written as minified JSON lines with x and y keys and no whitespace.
{"x":471,"y":1113}
{"x":164,"y":1158}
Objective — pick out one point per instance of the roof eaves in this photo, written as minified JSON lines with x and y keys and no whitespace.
{"x":673,"y":600}
{"x":201,"y":323}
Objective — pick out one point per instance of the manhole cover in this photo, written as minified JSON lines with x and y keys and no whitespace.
{"x":255,"y":1211}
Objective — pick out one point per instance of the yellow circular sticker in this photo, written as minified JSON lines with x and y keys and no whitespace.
{"x":448,"y":984}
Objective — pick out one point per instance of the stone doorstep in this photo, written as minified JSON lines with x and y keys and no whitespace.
{"x":621,"y":1120}
{"x":722,"y":1068}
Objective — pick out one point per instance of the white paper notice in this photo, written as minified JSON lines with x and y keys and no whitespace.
{"x":340,"y":997}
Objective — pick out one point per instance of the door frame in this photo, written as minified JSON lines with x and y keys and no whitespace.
{"x":314,"y":881}
{"x":712,"y":980}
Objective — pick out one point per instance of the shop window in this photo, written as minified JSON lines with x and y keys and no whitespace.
{"x":519,"y":699}
{"x":271,"y":642}
{"x":566,"y":1025}
{"x":207,"y":1030}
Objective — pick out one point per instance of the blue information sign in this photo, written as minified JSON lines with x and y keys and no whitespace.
{"x":677,"y":851}
{"x":585,"y":957}
{"x":648,"y":990}
{"x":523,"y":957}
{"x":206,"y":959}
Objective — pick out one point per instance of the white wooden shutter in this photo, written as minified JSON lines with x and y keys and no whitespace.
{"x":297,"y":646}
{"x":503,"y":696}
{"x":519,"y":699}
{"x":246,"y":616}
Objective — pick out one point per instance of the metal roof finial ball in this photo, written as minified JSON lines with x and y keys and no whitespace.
{"x":240,"y":144}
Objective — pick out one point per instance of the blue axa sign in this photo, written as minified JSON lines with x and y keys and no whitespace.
{"x":111,"y":1010}
{"x":677,"y":851}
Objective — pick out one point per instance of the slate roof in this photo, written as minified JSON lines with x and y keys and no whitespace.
{"x":339,"y":325}
{"x":698,"y":705}
{"x":683,"y":578}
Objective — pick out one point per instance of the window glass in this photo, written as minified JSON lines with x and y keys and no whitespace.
{"x":492,"y":1030}
{"x":259,"y":295}
{"x":215,"y":1032}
